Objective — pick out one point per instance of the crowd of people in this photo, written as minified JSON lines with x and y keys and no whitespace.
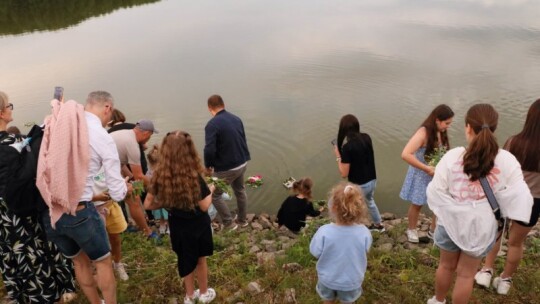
{"x":89,"y":199}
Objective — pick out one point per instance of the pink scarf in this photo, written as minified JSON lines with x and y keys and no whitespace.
{"x":63,"y":158}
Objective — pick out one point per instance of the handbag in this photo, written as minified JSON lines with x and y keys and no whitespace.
{"x":501,"y":221}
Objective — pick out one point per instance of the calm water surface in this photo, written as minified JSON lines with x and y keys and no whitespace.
{"x":289,"y":69}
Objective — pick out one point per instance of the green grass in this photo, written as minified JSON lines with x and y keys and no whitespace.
{"x":398,"y":276}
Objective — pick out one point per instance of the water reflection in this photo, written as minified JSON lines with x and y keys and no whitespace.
{"x":21,"y":16}
{"x":291,"y":70}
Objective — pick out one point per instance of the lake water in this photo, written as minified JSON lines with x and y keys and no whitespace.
{"x":289,"y":69}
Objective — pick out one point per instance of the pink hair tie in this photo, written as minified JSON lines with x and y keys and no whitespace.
{"x":347,"y":189}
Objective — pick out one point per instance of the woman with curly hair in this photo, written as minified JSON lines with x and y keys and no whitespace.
{"x":177,"y":185}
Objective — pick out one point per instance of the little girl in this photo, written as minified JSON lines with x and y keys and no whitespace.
{"x":160,"y":214}
{"x":177,"y":185}
{"x":294,"y":209}
{"x":342,"y":247}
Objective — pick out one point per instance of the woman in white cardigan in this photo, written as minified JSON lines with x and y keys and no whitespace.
{"x":466,"y":228}
{"x":526,"y":147}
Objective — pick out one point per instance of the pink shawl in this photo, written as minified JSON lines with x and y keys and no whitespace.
{"x":63,"y":158}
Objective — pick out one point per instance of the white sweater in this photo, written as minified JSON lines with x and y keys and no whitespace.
{"x":462,"y":207}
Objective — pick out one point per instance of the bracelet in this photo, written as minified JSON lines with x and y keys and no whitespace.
{"x":338,"y":159}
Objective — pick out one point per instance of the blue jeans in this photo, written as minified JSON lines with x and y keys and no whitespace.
{"x":369,"y":190}
{"x":85,"y":231}
{"x":328,"y":294}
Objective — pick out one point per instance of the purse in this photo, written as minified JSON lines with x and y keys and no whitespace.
{"x":501,"y":221}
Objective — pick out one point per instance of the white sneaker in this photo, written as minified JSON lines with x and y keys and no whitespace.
{"x":412,"y":235}
{"x":434,"y":301}
{"x":502,"y":285}
{"x":120,"y":270}
{"x":162,"y":229}
{"x":483,"y":277}
{"x":188,"y":300}
{"x":207,"y":297}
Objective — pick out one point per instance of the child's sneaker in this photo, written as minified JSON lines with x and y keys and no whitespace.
{"x":412,"y":236}
{"x":434,"y":301}
{"x":377,"y":228}
{"x":207,"y":297}
{"x":483,"y":277}
{"x":430,"y":234}
{"x":120,"y":270}
{"x":502,"y":285}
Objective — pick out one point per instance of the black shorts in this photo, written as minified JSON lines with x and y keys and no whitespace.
{"x":534,"y":214}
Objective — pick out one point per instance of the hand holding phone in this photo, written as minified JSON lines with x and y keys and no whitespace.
{"x":59,"y":94}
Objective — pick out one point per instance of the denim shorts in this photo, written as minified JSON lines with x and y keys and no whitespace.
{"x":328,"y":294}
{"x":443,"y":241}
{"x":83,"y":232}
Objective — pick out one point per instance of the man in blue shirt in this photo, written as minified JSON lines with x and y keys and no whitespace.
{"x":226,"y":155}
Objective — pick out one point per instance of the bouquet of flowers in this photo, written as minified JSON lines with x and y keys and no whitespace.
{"x":220,"y":184}
{"x":138,"y":187}
{"x":254,"y":181}
{"x":288,"y":183}
{"x":433,"y":158}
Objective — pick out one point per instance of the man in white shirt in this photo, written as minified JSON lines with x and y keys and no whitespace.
{"x":82,"y":237}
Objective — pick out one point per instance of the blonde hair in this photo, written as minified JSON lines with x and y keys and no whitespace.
{"x":303,"y":186}
{"x":348,"y":204}
{"x":153,"y":156}
{"x":175,"y":181}
{"x":3,"y":100}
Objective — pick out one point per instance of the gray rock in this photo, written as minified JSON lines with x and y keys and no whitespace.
{"x":388,"y":216}
{"x":402,"y":239}
{"x":265,"y":222}
{"x":283,"y":238}
{"x":250,"y":217}
{"x":256,"y":226}
{"x":292,"y":267}
{"x":254,"y":249}
{"x":254,"y":288}
{"x":266,"y":258}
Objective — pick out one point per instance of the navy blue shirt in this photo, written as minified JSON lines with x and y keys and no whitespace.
{"x":226,"y":146}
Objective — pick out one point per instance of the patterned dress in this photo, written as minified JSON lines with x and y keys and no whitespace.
{"x":416,"y":182}
{"x":32,"y":269}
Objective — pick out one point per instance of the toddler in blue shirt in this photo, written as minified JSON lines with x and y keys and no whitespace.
{"x":342,"y":246}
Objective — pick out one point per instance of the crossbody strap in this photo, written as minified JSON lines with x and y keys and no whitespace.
{"x":491,"y":197}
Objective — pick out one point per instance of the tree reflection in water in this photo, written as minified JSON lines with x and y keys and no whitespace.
{"x":22,"y":16}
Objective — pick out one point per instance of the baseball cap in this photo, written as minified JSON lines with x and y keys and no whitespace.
{"x":147,"y":125}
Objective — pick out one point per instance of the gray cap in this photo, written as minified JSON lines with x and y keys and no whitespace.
{"x":147,"y":125}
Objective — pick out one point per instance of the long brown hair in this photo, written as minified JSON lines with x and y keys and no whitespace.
{"x":526,"y":144}
{"x":442,"y":112}
{"x":303,"y":186}
{"x":479,"y":158}
{"x":348,"y":204}
{"x":175,"y":182}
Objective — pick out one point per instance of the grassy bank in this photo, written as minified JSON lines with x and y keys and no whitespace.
{"x":284,"y":270}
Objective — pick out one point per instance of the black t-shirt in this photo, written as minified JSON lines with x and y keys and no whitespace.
{"x":293,"y":212}
{"x":190,"y":214}
{"x":358,"y":152}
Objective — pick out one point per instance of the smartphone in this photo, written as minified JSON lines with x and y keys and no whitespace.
{"x":334,"y":142}
{"x":58,"y":93}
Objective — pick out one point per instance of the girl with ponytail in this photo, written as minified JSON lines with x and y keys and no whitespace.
{"x":525,"y":146}
{"x":466,"y":227}
{"x":296,"y":207}
{"x":342,"y":246}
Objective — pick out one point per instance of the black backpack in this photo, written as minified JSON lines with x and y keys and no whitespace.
{"x":22,"y":196}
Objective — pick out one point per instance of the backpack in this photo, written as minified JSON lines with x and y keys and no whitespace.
{"x":22,"y":196}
